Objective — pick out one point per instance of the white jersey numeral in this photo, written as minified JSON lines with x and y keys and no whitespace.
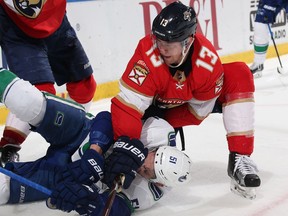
{"x":156,"y":60}
{"x":205,"y":52}
{"x":164,"y":22}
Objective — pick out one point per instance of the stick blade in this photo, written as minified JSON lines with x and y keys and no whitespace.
{"x":282,"y":70}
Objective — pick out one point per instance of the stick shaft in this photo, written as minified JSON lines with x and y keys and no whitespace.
{"x":118,"y":182}
{"x":109,"y":203}
{"x":272,"y":38}
{"x":26,"y":181}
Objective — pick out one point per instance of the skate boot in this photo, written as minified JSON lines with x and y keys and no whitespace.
{"x":242,"y":171}
{"x":256,"y":69}
{"x":8,"y":153}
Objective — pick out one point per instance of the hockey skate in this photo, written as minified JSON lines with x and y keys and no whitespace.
{"x":244,"y":179}
{"x":8,"y":153}
{"x":256,"y":69}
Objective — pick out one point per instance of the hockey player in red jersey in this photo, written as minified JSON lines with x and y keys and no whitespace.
{"x":41,"y":46}
{"x":177,"y":74}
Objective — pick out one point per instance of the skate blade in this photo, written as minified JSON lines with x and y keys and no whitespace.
{"x":282,"y":70}
{"x":246,"y":192}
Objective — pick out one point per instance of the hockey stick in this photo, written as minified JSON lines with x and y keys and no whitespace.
{"x":280,"y":69}
{"x":26,"y":181}
{"x":107,"y":208}
{"x":117,"y":188}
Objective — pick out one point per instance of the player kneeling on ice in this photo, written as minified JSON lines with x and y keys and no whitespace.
{"x":83,"y":159}
{"x":177,"y":74}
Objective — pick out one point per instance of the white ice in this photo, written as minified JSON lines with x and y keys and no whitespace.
{"x":209,"y":192}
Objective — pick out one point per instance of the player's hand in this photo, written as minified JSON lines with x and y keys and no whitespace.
{"x":87,"y":170}
{"x":70,"y":196}
{"x":127,"y":156}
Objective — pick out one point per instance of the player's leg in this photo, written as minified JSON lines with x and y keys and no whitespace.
{"x":40,"y":172}
{"x":261,"y":43}
{"x":83,"y":91}
{"x":16,"y":131}
{"x":238,"y":114}
{"x":21,"y":98}
{"x":71,"y":65}
{"x":65,"y":124}
{"x":27,"y":58}
{"x":4,"y":189}
{"x":266,"y":15}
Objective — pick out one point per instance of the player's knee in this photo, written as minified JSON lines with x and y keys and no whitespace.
{"x":4,"y":189}
{"x":82,"y":91}
{"x":47,"y":87}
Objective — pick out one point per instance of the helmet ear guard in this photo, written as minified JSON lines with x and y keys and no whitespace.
{"x":175,"y":23}
{"x":172,"y":167}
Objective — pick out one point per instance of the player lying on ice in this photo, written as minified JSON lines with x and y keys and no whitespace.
{"x":77,"y":136}
{"x":177,"y":73}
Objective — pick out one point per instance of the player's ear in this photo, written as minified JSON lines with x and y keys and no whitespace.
{"x":191,"y":39}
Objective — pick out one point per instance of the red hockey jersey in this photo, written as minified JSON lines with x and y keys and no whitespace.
{"x":38,"y":18}
{"x":147,"y":78}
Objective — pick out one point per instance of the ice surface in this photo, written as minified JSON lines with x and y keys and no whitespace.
{"x":209,"y":193}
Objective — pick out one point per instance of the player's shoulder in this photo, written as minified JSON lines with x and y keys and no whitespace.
{"x":143,"y":193}
{"x":205,"y":57}
{"x":202,"y":41}
{"x":145,"y":43}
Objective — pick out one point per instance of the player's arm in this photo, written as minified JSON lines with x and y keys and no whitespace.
{"x":86,"y":200}
{"x":90,"y":167}
{"x":137,"y":89}
{"x":143,"y":194}
{"x":268,"y":10}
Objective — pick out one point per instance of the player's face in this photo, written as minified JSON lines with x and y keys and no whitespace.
{"x":171,"y":52}
{"x":147,"y":169}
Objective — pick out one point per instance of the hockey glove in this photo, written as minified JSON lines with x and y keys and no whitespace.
{"x":70,"y":196}
{"x":127,"y":156}
{"x":101,"y":131}
{"x":87,"y":170}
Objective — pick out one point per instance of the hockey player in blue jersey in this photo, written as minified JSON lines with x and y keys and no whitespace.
{"x":266,"y":15}
{"x":74,"y":164}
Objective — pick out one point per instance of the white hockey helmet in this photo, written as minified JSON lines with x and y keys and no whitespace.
{"x":172,"y":166}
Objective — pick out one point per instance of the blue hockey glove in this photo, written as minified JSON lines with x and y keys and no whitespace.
{"x":87,"y":170}
{"x":101,"y":131}
{"x":70,"y":196}
{"x":267,"y":11}
{"x":127,"y":156}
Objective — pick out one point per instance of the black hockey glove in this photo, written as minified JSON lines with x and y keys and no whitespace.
{"x":127,"y":156}
{"x":87,"y":170}
{"x":70,"y":196}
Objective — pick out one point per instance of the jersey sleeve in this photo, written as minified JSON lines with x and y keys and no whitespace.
{"x":137,"y":89}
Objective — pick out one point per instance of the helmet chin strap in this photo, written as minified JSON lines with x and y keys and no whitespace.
{"x":185,"y":50}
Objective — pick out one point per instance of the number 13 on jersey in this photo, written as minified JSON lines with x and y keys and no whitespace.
{"x":209,"y":65}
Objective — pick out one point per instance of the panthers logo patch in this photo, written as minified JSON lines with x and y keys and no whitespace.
{"x":29,"y":8}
